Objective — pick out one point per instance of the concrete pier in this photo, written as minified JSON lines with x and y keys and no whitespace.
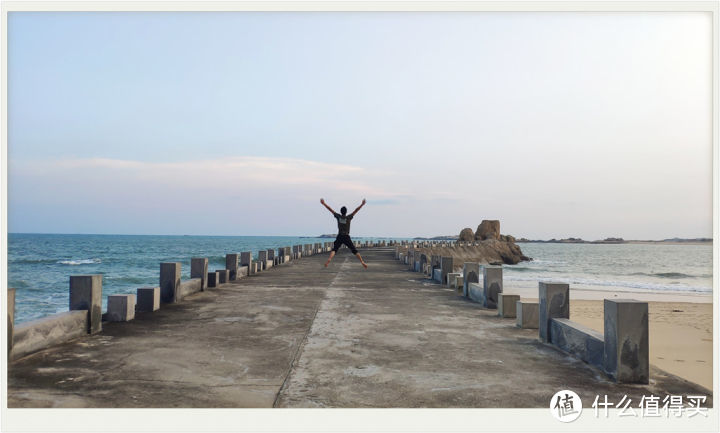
{"x":86,"y":294}
{"x":302,"y":335}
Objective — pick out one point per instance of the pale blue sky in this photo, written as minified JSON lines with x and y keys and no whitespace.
{"x":558,"y":124}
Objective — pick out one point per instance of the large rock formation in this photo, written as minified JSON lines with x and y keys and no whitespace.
{"x":488,"y":229}
{"x":466,"y":235}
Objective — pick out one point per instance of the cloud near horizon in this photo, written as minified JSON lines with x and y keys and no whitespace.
{"x":85,"y":195}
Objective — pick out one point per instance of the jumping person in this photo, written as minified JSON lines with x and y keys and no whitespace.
{"x":343,"y":236}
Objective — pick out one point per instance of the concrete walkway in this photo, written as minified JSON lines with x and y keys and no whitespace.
{"x":300,"y":335}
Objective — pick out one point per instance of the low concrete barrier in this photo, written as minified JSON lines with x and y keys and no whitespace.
{"x":189,"y":287}
{"x":148,"y":298}
{"x":243,"y":271}
{"x":121,"y":308}
{"x":527,"y":315}
{"x":49,"y":331}
{"x":213,"y":279}
{"x":576,"y":339}
{"x":507,"y":305}
{"x":475,"y":292}
{"x":222,"y":276}
{"x":437,"y":275}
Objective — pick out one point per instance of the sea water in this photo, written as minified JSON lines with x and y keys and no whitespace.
{"x":40,"y":265}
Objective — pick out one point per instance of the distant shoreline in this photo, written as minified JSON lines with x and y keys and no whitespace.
{"x":640,"y":242}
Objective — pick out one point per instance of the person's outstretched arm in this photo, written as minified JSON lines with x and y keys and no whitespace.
{"x":328,"y":207}
{"x":358,"y":208}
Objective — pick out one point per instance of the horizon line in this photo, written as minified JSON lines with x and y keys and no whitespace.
{"x":357,"y":236}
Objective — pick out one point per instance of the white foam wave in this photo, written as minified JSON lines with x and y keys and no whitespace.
{"x":621,"y":284}
{"x":79,"y":262}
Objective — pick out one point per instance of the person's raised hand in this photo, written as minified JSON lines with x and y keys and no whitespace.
{"x":364,"y":201}
{"x":322,"y":201}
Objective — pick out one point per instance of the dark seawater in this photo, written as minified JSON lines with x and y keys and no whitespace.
{"x":40,"y":265}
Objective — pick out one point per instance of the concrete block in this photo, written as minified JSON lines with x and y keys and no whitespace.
{"x":243,"y":271}
{"x":458,"y":283}
{"x":222,"y":276}
{"x":188,"y":287}
{"x":30,"y":337}
{"x":471,"y":274}
{"x":10,"y":320}
{"x":86,"y":294}
{"x":626,"y":356}
{"x":450,"y":281}
{"x":270,"y":255}
{"x":527,"y":315}
{"x":492,"y":285}
{"x":147,"y":299}
{"x":246,"y":259}
{"x":437,"y":275}
{"x":199,"y":269}
{"x":506,"y":305}
{"x":231,"y":264}
{"x":121,"y":308}
{"x":169,"y":282}
{"x":576,"y":339}
{"x":554,"y":303}
{"x":263,"y":258}
{"x":213,"y":279}
{"x":446,"y":266}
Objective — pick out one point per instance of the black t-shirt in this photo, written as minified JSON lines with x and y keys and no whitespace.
{"x":343,"y":223}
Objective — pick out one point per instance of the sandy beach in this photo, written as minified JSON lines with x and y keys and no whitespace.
{"x":680,"y":327}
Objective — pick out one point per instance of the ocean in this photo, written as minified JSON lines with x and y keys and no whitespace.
{"x":39,"y":265}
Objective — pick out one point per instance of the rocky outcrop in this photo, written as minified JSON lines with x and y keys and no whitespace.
{"x":466,"y":235}
{"x":489,"y":252}
{"x":488,"y":229}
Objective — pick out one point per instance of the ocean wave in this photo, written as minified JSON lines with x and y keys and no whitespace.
{"x":31,"y":261}
{"x":609,"y":283}
{"x":79,"y":262}
{"x":670,"y":275}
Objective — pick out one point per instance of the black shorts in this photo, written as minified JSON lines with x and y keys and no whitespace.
{"x":344,"y":239}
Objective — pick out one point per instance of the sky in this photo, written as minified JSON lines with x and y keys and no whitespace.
{"x":558,"y":124}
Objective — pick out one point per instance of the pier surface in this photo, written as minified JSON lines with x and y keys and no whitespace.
{"x":300,"y":335}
